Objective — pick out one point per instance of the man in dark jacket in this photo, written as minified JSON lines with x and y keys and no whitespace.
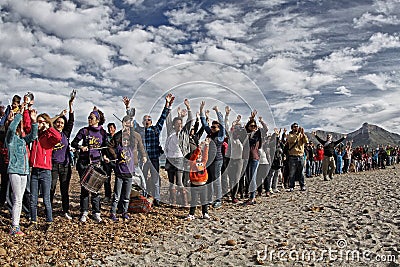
{"x":328,"y":163}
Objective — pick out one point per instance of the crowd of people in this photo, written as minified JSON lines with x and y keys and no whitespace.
{"x":207,"y":161}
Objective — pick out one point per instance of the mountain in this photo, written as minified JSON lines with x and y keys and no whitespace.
{"x":368,"y":134}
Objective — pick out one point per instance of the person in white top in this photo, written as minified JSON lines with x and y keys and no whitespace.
{"x":177,"y":146}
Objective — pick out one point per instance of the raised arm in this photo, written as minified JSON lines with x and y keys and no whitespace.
{"x":189,"y":119}
{"x":203,"y":120}
{"x":169,"y":99}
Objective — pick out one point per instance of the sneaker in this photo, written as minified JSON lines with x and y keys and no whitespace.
{"x":96,"y":218}
{"x":206,"y":216}
{"x":217,"y":204}
{"x":190,"y":217}
{"x":49,"y":227}
{"x":107,"y":200}
{"x":125,"y":216}
{"x":68,"y":216}
{"x":33,"y":226}
{"x":16,"y":231}
{"x":113,"y":217}
{"x":235,"y":200}
{"x":249,"y":202}
{"x":303,"y":188}
{"x":290,"y":190}
{"x":156,"y":203}
{"x":267,"y":194}
{"x":277,"y":191}
{"x":84,"y":216}
{"x":271,"y":191}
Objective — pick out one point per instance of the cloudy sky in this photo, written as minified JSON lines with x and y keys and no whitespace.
{"x":328,"y":65}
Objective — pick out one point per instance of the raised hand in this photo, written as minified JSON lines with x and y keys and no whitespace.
{"x":207,"y":114}
{"x":11,"y":116}
{"x":187,"y":103}
{"x":169,"y":99}
{"x":253,"y":114}
{"x":215,"y":108}
{"x":227,"y":110}
{"x":260,"y":119}
{"x":126,"y":101}
{"x":72,"y":96}
{"x":202,"y":104}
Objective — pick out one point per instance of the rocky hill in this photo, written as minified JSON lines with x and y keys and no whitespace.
{"x":368,"y":134}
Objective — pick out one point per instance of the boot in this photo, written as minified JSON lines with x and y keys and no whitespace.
{"x":172,"y":196}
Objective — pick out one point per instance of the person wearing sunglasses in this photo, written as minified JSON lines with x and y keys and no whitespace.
{"x":255,"y":143}
{"x":216,"y":133}
{"x":296,"y":140}
{"x":41,"y":162}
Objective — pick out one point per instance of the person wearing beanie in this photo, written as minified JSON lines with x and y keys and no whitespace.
{"x":93,"y":139}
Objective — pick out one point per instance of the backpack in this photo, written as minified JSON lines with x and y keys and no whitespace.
{"x":277,"y":162}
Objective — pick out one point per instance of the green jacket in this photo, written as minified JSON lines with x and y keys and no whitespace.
{"x":17,"y":150}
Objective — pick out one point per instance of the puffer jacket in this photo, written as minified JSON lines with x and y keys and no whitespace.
{"x":16,"y":145}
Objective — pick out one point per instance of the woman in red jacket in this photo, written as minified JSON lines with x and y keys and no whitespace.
{"x":41,"y":162}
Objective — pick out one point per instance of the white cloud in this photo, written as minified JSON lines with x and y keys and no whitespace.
{"x":380,"y":41}
{"x":339,"y":62}
{"x":384,"y":12}
{"x":223,"y":29}
{"x":342,"y":90}
{"x":89,"y":51}
{"x":382,"y":81}
{"x":67,"y":22}
{"x":185,"y":17}
{"x":282,"y":111}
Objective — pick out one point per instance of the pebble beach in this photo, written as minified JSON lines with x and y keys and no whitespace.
{"x":352,"y":220}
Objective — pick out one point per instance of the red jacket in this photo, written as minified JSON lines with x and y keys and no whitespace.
{"x":42,"y":149}
{"x":320,"y":154}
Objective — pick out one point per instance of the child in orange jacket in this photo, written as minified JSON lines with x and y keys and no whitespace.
{"x":198,"y":178}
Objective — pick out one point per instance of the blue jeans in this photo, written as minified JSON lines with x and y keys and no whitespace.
{"x":153,"y":183}
{"x":42,"y":178}
{"x":296,"y":165}
{"x":252,"y":177}
{"x":84,"y":197}
{"x":122,"y":190}
{"x":214,"y":180}
{"x":309,"y":168}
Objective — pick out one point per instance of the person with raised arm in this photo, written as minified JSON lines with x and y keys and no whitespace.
{"x":18,"y":167}
{"x":62,"y":158}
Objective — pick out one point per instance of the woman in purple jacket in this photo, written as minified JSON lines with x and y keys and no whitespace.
{"x":94,"y":140}
{"x":61,"y":159}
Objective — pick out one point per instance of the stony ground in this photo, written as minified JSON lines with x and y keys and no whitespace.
{"x":352,"y":220}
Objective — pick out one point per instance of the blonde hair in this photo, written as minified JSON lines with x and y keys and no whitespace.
{"x":46,"y":117}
